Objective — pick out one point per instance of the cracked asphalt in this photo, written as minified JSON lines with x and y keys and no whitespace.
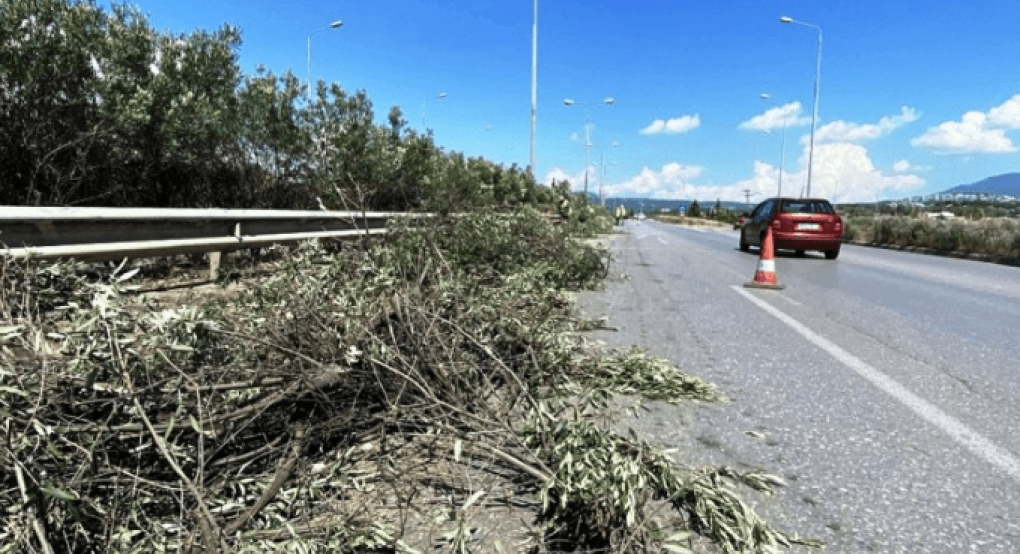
{"x":883,"y":386}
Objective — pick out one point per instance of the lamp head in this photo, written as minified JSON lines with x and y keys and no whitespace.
{"x":568,"y":102}
{"x":786,"y":19}
{"x":609,"y":101}
{"x":336,"y":24}
{"x":442,"y":95}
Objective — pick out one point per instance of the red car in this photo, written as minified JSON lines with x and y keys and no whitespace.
{"x":798,"y":224}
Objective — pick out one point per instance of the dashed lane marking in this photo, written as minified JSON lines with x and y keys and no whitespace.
{"x":957,"y":430}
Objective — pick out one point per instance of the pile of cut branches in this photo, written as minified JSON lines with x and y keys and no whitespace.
{"x":355,"y":400}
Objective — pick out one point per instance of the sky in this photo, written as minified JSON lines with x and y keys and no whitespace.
{"x":914,"y":97}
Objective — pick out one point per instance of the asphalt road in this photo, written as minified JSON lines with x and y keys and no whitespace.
{"x":884,"y":386}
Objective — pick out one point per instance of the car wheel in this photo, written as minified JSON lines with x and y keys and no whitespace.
{"x":831,"y":254}
{"x":744,"y":247}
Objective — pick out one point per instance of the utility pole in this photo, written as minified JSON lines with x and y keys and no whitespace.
{"x":747,"y":196}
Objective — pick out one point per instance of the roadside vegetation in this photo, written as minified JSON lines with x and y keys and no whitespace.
{"x":991,"y":236}
{"x":407,"y":396}
{"x":428,"y":391}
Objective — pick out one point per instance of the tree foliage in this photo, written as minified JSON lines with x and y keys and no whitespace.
{"x":98,"y":108}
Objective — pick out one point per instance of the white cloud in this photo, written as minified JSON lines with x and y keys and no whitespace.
{"x":777,"y":118}
{"x":576,"y":180}
{"x":673,"y":126}
{"x":843,"y":172}
{"x":668,"y":182}
{"x":976,"y":132}
{"x":904,"y":166}
{"x":844,"y":131}
{"x":1006,"y":115}
{"x":970,"y":135}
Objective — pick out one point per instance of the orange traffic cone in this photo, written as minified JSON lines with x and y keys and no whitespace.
{"x":765,"y":277}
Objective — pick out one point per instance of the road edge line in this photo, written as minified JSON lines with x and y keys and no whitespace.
{"x":957,"y":430}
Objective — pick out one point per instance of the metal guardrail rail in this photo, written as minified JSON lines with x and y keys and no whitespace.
{"x":103,"y":234}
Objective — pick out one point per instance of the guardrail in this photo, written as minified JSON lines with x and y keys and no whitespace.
{"x":103,"y":234}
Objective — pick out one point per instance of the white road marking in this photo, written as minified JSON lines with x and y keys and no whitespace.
{"x":663,"y":240}
{"x":790,"y":300}
{"x":959,"y":432}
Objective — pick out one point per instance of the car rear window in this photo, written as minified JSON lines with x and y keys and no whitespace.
{"x":807,"y":207}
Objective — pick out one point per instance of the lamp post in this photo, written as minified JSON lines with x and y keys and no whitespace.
{"x":608,"y":101}
{"x":534,"y":86}
{"x":782,"y":156}
{"x":334,"y":25}
{"x":439,"y":96}
{"x":602,"y":172}
{"x":818,"y":75}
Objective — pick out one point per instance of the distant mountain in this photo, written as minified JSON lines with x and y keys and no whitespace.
{"x":1008,"y":183}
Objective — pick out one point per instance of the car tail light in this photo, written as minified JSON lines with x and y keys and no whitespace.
{"x":839,"y":226}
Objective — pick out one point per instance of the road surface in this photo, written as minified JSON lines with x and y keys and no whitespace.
{"x":884,"y":386}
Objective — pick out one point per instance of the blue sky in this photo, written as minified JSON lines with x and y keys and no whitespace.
{"x":915,"y":97}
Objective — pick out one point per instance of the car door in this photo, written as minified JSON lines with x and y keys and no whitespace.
{"x":759,"y":219}
{"x":747,"y":231}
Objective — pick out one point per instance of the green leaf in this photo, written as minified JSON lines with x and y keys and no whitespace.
{"x":59,"y":494}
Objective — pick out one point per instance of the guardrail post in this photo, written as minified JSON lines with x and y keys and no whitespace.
{"x":214,"y":265}
{"x":216,"y":258}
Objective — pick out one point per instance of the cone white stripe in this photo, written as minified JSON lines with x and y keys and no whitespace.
{"x":767,"y":265}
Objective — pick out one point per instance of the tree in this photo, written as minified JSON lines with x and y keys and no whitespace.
{"x":694,"y":210}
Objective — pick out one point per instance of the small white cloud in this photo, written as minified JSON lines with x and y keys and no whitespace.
{"x":970,"y":135}
{"x":673,"y":126}
{"x":655,"y":128}
{"x":844,"y":131}
{"x":777,"y":118}
{"x":976,"y":132}
{"x":904,"y":166}
{"x":574,"y":137}
{"x":576,"y":181}
{"x":1006,"y":115}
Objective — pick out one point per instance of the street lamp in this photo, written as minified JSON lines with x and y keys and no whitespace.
{"x":818,"y":75}
{"x":439,"y":96}
{"x":334,"y":25}
{"x":782,"y":158}
{"x":608,"y":101}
